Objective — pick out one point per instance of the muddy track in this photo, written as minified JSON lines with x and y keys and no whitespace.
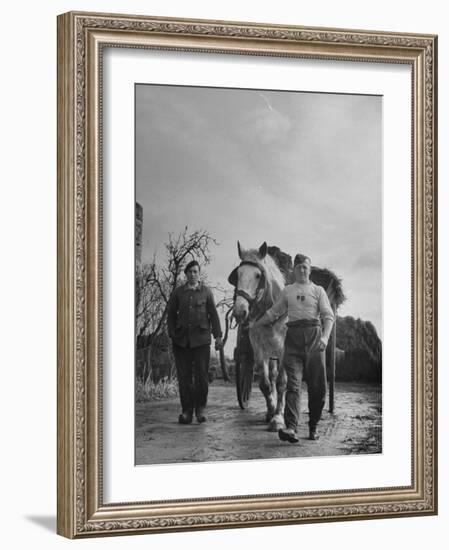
{"x":230,"y":433}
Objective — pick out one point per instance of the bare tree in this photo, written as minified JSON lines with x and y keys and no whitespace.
{"x":156,"y":281}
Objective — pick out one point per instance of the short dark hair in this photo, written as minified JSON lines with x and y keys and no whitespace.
{"x":193,"y":263}
{"x":300,"y":259}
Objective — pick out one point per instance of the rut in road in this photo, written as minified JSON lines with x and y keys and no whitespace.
{"x":233,"y":434}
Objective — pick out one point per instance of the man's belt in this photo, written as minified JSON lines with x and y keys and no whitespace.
{"x":304,"y":323}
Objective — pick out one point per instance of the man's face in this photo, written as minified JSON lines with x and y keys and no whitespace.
{"x":193,"y":275}
{"x":302,"y":272}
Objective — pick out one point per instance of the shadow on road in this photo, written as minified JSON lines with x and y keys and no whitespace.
{"x":232,"y":434}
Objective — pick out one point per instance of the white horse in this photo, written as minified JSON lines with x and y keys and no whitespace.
{"x":258,"y":283}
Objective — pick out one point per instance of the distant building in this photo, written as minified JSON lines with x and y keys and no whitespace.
{"x":139,"y":228}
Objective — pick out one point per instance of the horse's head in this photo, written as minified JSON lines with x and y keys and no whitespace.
{"x":249,"y":279}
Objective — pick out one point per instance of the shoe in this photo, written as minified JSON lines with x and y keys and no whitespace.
{"x":288,"y":435}
{"x":200,"y":415}
{"x":185,"y":418}
{"x":313,"y":436}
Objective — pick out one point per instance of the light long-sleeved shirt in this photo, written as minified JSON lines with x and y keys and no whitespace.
{"x":302,"y":301}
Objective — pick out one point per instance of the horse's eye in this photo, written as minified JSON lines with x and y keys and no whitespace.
{"x":257,"y":275}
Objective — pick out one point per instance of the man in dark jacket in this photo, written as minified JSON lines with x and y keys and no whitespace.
{"x":191,"y":316}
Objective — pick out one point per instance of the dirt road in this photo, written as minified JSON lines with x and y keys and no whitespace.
{"x":230,"y":433}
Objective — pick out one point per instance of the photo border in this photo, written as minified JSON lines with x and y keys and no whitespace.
{"x":81,"y":39}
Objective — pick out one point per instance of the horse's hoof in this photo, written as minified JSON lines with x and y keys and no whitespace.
{"x":275,"y":425}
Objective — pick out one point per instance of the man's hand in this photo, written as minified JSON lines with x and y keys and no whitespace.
{"x":323,"y":343}
{"x":218,"y":343}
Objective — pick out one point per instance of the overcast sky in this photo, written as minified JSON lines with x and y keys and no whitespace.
{"x":302,"y":171}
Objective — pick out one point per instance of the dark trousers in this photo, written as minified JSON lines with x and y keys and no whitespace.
{"x":302,"y":359}
{"x":192,"y":366}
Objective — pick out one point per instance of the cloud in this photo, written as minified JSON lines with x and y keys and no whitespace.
{"x":368,"y":259}
{"x":265,"y":124}
{"x":232,"y":162}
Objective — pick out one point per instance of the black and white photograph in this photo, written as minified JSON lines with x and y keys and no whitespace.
{"x":258,"y":289}
{"x":205,"y":163}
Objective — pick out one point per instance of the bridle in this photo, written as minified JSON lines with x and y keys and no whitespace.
{"x":252,"y":300}
{"x":256,"y":309}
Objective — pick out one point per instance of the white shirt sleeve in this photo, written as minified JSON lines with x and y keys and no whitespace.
{"x":324,"y":306}
{"x":279,"y":308}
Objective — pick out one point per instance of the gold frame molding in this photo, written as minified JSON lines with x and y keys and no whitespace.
{"x":81,"y":38}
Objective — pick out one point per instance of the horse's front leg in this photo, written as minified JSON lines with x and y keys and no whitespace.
{"x":266,"y":388}
{"x":280,"y":380}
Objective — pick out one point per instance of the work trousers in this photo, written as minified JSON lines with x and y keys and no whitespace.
{"x":303,"y":360}
{"x":192,"y":366}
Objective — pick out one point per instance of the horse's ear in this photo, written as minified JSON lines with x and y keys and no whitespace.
{"x":233,"y":277}
{"x":239,"y":248}
{"x":263,"y":250}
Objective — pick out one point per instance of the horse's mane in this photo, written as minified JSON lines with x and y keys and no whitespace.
{"x":283,"y":260}
{"x":273,"y":273}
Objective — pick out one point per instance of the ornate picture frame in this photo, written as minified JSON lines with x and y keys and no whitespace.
{"x":82,"y":40}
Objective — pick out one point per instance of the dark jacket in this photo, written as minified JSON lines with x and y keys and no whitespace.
{"x":191,"y":316}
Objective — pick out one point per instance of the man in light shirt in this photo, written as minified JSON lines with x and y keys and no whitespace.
{"x":307,"y":305}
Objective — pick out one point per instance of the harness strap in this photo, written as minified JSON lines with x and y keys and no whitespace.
{"x":245,"y":295}
{"x":255,"y":312}
{"x":252,"y":300}
{"x":242,"y":293}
